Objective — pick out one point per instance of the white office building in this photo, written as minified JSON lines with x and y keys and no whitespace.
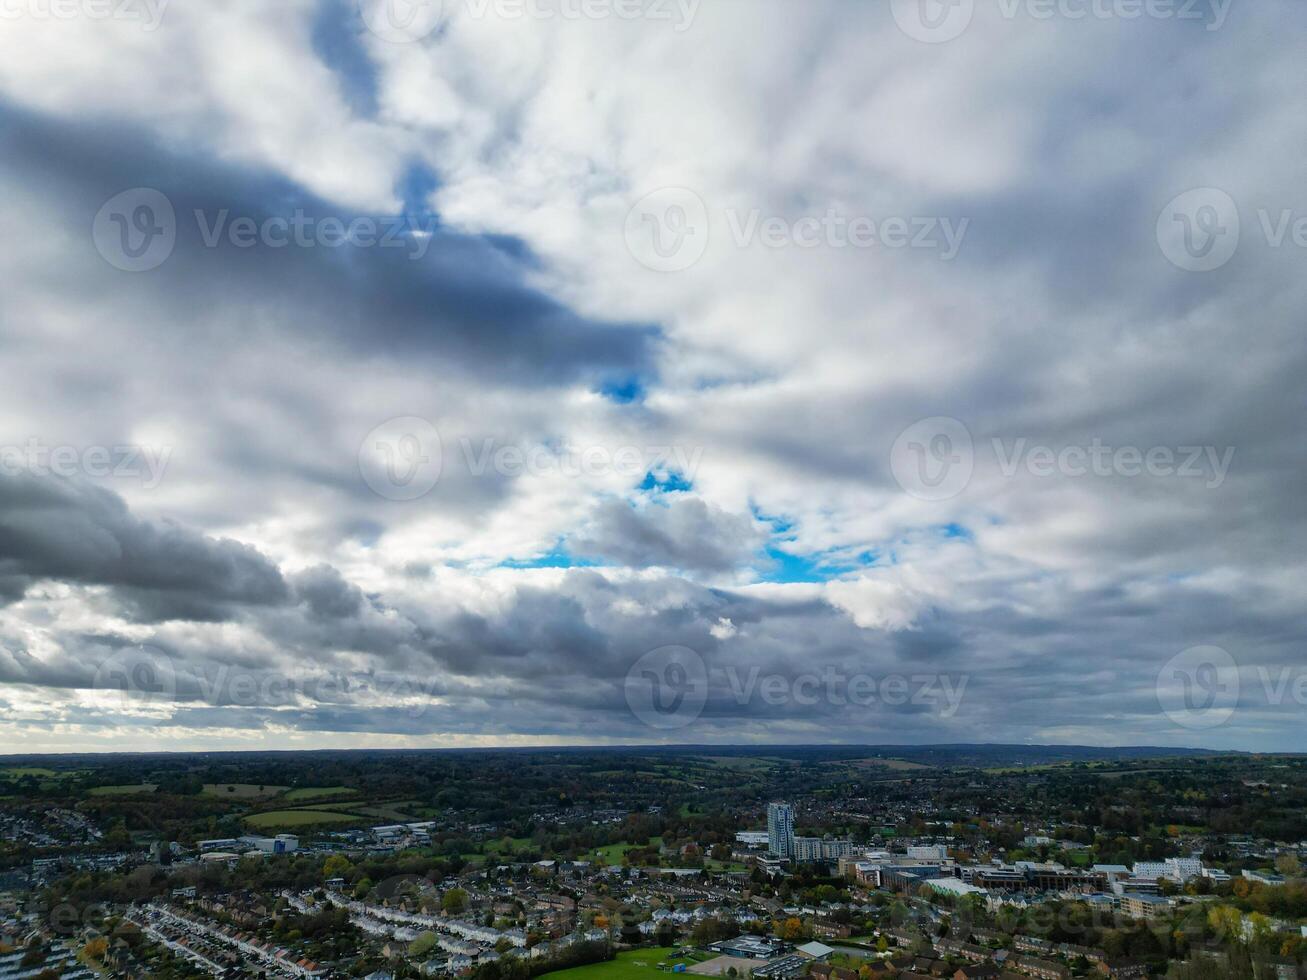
{"x":821,"y":849}
{"x":805,"y":848}
{"x":1178,"y":870}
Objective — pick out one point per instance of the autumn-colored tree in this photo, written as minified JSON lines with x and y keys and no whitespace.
{"x":336,"y":866}
{"x":790,"y":929}
{"x":1226,"y":921}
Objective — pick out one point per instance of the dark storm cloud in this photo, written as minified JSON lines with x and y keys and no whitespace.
{"x":66,"y":531}
{"x":464,"y":301}
{"x":683,"y":532}
{"x":327,"y":592}
{"x":539,"y":634}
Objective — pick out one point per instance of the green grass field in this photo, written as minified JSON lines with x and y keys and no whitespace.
{"x":401,"y":812}
{"x":318,"y":792}
{"x":48,"y":779}
{"x":39,"y":772}
{"x":506,"y":846}
{"x":901,"y":765}
{"x":123,"y":790}
{"x":712,"y":865}
{"x":613,"y":853}
{"x":243,"y":791}
{"x":297,"y":818}
{"x":741,"y":762}
{"x":342,"y":807}
{"x":634,"y":964}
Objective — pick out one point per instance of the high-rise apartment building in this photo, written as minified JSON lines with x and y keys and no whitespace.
{"x":780,"y":829}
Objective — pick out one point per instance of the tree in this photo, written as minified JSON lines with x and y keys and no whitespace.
{"x":336,"y":866}
{"x":1226,"y":922}
{"x":1288,"y":865}
{"x":790,"y":929}
{"x":454,"y":901}
{"x":423,"y":945}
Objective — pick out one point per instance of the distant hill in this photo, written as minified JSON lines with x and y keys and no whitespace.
{"x":979,"y":755}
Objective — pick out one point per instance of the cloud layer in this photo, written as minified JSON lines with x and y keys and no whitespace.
{"x":691,"y":372}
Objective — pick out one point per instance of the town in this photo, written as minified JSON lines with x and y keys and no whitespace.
{"x":838,"y":864}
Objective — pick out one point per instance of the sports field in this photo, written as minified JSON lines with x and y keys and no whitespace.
{"x":634,"y":964}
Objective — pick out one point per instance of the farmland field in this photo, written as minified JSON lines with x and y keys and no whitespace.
{"x":47,"y":779}
{"x":744,"y":762}
{"x":401,"y":812}
{"x":898,"y":764}
{"x":242,"y":791}
{"x":343,"y":807}
{"x":297,"y":818}
{"x":318,"y":792}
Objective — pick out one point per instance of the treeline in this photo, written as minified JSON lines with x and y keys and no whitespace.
{"x":516,"y":968}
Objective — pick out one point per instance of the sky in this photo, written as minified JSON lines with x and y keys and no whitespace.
{"x":400,"y":373}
